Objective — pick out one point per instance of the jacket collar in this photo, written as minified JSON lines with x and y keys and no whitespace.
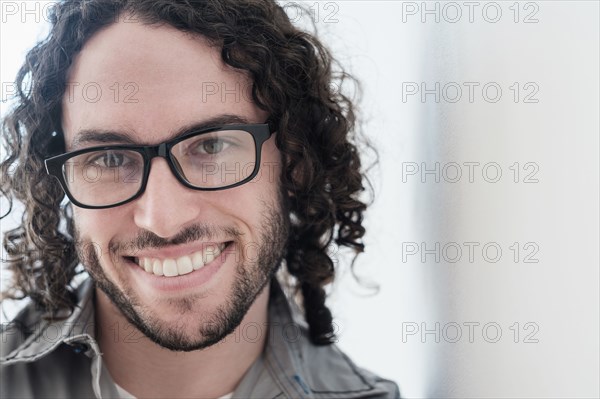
{"x":39,"y":337}
{"x":290,"y":364}
{"x":303,"y":370}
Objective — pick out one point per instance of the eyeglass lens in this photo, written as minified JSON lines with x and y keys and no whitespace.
{"x":212,"y":160}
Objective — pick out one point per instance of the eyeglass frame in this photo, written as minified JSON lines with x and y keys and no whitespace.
{"x":260,"y":132}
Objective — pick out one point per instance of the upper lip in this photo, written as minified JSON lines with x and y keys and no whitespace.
{"x":174,"y":251}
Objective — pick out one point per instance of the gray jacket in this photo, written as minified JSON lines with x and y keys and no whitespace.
{"x":62,"y":359}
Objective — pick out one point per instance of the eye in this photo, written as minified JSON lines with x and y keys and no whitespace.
{"x":212,"y":146}
{"x":209,"y":146}
{"x":205,"y":147}
{"x":111,"y":159}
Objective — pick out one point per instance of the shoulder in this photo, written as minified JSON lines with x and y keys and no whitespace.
{"x":19,"y":332}
{"x":330,"y":372}
{"x":37,"y":360}
{"x":304,"y":369}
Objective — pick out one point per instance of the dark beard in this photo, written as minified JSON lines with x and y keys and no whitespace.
{"x":251,"y":278}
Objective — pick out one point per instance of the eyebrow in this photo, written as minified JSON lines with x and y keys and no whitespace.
{"x":101,"y":136}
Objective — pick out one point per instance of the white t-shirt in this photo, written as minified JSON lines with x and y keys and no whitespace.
{"x":123,"y":394}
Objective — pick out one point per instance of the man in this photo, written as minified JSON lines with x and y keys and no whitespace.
{"x":201,"y":147}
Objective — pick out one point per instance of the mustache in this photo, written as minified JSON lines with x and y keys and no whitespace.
{"x":147,"y":239}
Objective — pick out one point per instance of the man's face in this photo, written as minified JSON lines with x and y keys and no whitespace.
{"x":153,"y":81}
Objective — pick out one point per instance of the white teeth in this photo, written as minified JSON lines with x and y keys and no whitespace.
{"x":157,"y":267}
{"x":197,"y":261}
{"x":210,"y":253}
{"x":147,"y":265}
{"x":182,"y":265}
{"x":170,"y":268}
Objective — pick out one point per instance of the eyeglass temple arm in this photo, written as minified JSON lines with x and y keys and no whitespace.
{"x":272,"y":125}
{"x":56,"y":146}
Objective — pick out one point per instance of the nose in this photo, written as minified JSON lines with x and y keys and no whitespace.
{"x":166,"y":206}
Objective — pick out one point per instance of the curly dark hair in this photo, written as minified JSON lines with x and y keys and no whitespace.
{"x":295,"y":79}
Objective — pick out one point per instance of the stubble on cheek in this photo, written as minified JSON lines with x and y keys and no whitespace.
{"x":91,"y":256}
{"x":212,"y":324}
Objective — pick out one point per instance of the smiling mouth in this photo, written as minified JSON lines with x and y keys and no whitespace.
{"x":173,"y":267}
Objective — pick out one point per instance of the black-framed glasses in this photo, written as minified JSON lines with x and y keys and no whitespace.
{"x":210,"y":159}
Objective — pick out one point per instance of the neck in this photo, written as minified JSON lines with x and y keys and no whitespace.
{"x":146,"y":369}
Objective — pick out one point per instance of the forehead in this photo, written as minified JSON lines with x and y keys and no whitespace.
{"x":148,"y":81}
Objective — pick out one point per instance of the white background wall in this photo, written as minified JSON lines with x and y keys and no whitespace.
{"x":544,"y":299}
